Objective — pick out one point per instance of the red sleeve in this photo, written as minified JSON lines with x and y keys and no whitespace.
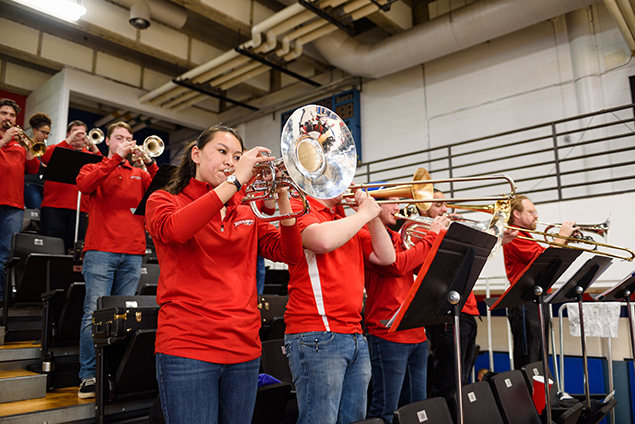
{"x":153,"y":168}
{"x":284,"y":245}
{"x":169,"y":222}
{"x":407,"y":260}
{"x":306,"y":219}
{"x":93,"y":174}
{"x":32,"y":166}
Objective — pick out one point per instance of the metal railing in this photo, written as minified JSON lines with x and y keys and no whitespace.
{"x":580,"y":157}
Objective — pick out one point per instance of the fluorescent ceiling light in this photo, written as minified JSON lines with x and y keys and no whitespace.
{"x":67,"y":10}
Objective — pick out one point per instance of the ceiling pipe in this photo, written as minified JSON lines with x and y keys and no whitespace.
{"x":470,"y":25}
{"x":257,"y":30}
{"x":623,"y":15}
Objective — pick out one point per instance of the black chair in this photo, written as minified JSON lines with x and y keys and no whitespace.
{"x":25,"y":274}
{"x":274,"y":361}
{"x":61,"y":319}
{"x":271,"y":306}
{"x":569,"y":415}
{"x":434,"y":411}
{"x":149,"y":278}
{"x":271,"y":402}
{"x":479,"y":405}
{"x":513,"y":398}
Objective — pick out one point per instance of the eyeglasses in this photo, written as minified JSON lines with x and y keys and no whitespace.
{"x":46,"y":133}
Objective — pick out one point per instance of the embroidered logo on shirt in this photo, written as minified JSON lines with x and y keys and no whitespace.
{"x":135,"y":177}
{"x":244,"y":222}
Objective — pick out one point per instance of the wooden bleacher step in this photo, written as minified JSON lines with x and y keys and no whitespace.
{"x":59,"y":406}
{"x":19,"y":384}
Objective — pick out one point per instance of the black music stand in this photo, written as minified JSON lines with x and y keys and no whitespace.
{"x":623,"y":291}
{"x":64,"y":167}
{"x":574,"y":290}
{"x":160,"y":180}
{"x":443,"y":285}
{"x":537,"y":279}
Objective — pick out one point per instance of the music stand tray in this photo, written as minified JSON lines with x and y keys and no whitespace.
{"x":65,"y":165}
{"x":543,"y":271}
{"x":586,"y":275}
{"x":454,"y":263}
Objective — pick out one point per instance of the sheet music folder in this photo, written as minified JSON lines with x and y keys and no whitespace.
{"x":65,"y":164}
{"x":618,"y":291}
{"x":454,"y":263}
{"x":543,"y":271}
{"x":586,"y":275}
{"x":160,"y":180}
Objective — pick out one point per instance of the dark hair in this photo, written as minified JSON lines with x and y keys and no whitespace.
{"x":38,"y":120}
{"x":120,"y":124}
{"x":75,"y":123}
{"x":12,"y":103}
{"x":186,"y":170}
{"x":516,"y":205}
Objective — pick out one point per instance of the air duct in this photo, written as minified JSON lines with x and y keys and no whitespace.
{"x":468,"y":26}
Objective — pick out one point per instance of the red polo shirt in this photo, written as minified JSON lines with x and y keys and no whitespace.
{"x":207,"y":289}
{"x":326,"y":290}
{"x":388,"y":286}
{"x":60,"y":195}
{"x":115,"y":189}
{"x":13,"y":164}
{"x":519,"y":254}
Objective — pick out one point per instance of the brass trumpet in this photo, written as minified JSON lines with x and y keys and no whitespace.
{"x":36,"y":148}
{"x":94,"y":136}
{"x":152,"y":147}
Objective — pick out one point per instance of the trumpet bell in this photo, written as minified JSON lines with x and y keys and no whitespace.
{"x":153,"y":146}
{"x":96,"y":135}
{"x":318,"y":151}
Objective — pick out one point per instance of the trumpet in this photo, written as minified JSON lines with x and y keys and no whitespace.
{"x":152,"y":147}
{"x":601,"y":229}
{"x":36,"y":148}
{"x":318,"y":160}
{"x":94,"y":137}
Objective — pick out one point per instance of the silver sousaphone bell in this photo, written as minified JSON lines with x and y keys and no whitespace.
{"x":318,"y":160}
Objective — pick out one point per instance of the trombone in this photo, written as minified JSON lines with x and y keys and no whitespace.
{"x":599,"y":229}
{"x":417,"y":226}
{"x":420,"y":191}
{"x":577,"y":239}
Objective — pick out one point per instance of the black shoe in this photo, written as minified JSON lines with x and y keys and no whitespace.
{"x":87,"y":388}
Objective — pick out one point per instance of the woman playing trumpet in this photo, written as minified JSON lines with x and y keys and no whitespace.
{"x":208,"y":347}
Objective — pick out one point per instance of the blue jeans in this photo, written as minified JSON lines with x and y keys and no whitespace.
{"x":195,"y":391}
{"x":260,"y":274}
{"x":33,"y":196}
{"x":399,"y":375}
{"x":106,"y":274}
{"x":331,"y":372}
{"x":10,"y":223}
